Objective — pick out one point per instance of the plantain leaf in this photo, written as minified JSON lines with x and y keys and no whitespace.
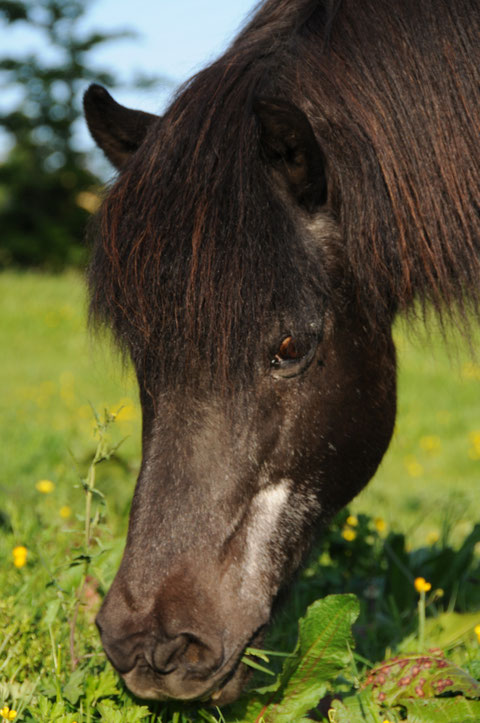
{"x":443,"y":710}
{"x":359,"y":708}
{"x":322,"y":652}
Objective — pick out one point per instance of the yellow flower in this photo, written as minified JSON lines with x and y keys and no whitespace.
{"x":471,"y":371}
{"x":414,"y":468}
{"x":430,"y":443}
{"x":421,"y":585}
{"x":45,"y":486}
{"x":8,"y":714}
{"x":348,"y":534}
{"x":477,"y":632}
{"x":474,"y":452}
{"x":19,"y":555}
{"x":432,"y":537}
{"x":352,"y":520}
{"x":380,"y":524}
{"x":65,"y":512}
{"x":125,"y":411}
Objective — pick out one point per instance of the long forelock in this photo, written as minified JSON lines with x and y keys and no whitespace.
{"x":198,"y":257}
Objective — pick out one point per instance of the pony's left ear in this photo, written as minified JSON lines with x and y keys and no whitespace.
{"x":290,"y":145}
{"x":117,"y":130}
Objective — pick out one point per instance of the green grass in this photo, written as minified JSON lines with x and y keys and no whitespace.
{"x":52,"y":372}
{"x":430,"y":474}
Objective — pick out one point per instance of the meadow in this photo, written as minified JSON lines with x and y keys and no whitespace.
{"x":70,"y":450}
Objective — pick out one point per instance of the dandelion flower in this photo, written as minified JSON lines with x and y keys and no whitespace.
{"x":380,"y":524}
{"x":352,"y":520}
{"x":65,"y":512}
{"x":19,"y":555}
{"x":45,"y":486}
{"x":477,"y":632}
{"x":348,"y":534}
{"x":421,"y":585}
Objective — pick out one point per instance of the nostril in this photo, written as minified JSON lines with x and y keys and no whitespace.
{"x":186,"y":651}
{"x":123,"y":651}
{"x":165,"y":655}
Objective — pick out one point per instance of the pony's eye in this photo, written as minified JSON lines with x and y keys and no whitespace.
{"x":293,"y":356}
{"x":289,"y":349}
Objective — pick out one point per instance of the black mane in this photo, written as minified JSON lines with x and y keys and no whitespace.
{"x":392,"y":91}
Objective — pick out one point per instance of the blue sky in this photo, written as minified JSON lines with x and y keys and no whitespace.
{"x":175,"y":38}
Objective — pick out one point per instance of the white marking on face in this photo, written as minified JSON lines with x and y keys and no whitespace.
{"x":267,"y":507}
{"x":322,"y":227}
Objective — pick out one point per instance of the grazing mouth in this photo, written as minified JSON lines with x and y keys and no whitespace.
{"x":222,"y":688}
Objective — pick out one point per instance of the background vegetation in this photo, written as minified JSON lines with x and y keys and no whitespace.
{"x":47,"y":186}
{"x":415,"y":519}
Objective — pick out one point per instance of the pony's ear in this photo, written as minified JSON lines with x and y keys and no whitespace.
{"x":117,"y":130}
{"x":289,"y":143}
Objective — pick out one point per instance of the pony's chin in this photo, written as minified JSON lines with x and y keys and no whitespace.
{"x":146,"y":684}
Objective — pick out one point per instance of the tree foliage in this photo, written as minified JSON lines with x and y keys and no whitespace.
{"x":46,"y":188}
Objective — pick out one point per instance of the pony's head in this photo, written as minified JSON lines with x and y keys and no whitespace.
{"x":250,"y":258}
{"x":267,"y":403}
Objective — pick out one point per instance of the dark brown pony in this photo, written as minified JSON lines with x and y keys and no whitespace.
{"x":315,"y":181}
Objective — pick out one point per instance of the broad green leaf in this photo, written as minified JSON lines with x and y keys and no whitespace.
{"x":356,"y":709}
{"x":74,"y":688}
{"x":103,"y":685}
{"x":443,"y":710}
{"x":109,"y":714}
{"x":322,"y":652}
{"x":419,"y":676}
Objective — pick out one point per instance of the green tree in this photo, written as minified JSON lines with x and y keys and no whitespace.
{"x":46,"y":188}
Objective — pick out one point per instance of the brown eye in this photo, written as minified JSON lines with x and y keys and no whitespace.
{"x":293,"y":356}
{"x":288,"y":349}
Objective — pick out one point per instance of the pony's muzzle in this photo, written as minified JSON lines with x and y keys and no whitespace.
{"x":185,"y":666}
{"x":194,"y":657}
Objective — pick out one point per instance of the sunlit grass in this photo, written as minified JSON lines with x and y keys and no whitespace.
{"x":428,"y":479}
{"x":53,"y":373}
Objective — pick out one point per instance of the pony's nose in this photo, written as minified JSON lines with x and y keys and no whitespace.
{"x":189,"y":654}
{"x":186,"y":652}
